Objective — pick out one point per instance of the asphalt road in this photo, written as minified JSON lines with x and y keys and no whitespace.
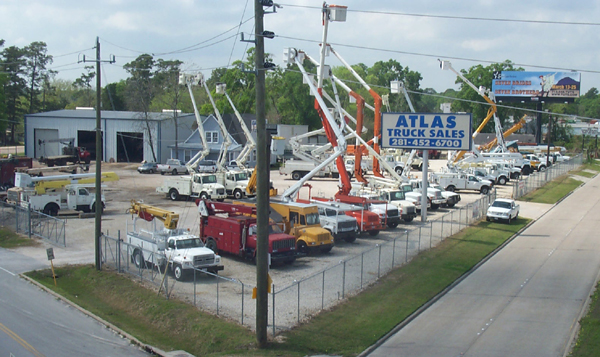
{"x":526,"y":300}
{"x":34,"y":323}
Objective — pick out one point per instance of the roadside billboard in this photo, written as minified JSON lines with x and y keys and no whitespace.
{"x":536,"y":86}
{"x":427,"y":131}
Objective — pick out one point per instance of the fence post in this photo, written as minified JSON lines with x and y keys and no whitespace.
{"x":273,"y":308}
{"x":406,"y":257}
{"x":29,"y":220}
{"x":419,"y":248}
{"x":119,"y":252}
{"x":393,"y":256}
{"x":218,"y":296}
{"x":362,"y":259}
{"x":379,"y":262}
{"x":344,"y":281}
{"x":243,"y":304}
{"x":430,"y":233}
{"x":442,"y":229}
{"x":298,"y":302}
{"x":451,"y":222}
{"x":323,"y":292}
{"x":194,"y":286}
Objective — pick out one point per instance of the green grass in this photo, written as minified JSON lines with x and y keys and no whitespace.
{"x":588,"y":342}
{"x":553,"y":191}
{"x":10,"y":239}
{"x":347,"y":329}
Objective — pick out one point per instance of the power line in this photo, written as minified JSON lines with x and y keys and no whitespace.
{"x":438,"y":55}
{"x":456,"y":17}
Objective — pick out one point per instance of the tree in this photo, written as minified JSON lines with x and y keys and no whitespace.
{"x":168,"y":95}
{"x":113,"y":96}
{"x":84,"y":84}
{"x":140,"y":91}
{"x":36,"y":74}
{"x":13,"y":63}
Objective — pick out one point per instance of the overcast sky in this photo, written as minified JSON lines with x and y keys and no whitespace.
{"x":202,"y":33}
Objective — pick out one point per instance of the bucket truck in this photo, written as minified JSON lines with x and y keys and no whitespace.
{"x":231,"y":228}
{"x":70,"y":153}
{"x":50,"y":194}
{"x":177,"y":247}
{"x":197,"y":184}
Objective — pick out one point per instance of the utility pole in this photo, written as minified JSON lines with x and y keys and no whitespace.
{"x":262,"y":185}
{"x":98,"y":204}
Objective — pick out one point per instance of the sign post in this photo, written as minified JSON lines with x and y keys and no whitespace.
{"x":50,"y":253}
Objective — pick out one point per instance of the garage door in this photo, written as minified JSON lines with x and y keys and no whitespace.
{"x":46,"y":142}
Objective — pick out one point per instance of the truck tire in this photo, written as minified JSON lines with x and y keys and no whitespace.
{"x":408,"y":219}
{"x":302,"y":247}
{"x":51,"y":209}
{"x":101,"y":209}
{"x":374,"y":232}
{"x":178,"y":272}
{"x":484,"y":190}
{"x":212,"y":245}
{"x":238,"y":194}
{"x":393,"y":224}
{"x":173,"y":194}
{"x":137,"y":258}
{"x":204,"y":196}
{"x":542,"y":168}
{"x":162,"y":172}
{"x":350,"y":239}
{"x":451,"y":188}
{"x":174,"y":172}
{"x":296,"y":175}
{"x":434,"y":206}
{"x":502,"y":180}
{"x":399,"y":170}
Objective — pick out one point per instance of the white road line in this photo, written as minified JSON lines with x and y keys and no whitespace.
{"x":11,"y":273}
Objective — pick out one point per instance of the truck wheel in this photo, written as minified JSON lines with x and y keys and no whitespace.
{"x":138,"y":258}
{"x":484,"y":190}
{"x":451,"y":188}
{"x":399,"y":170}
{"x":502,"y":180}
{"x":296,"y":175}
{"x":542,"y":168}
{"x":393,"y":224}
{"x":350,"y":239}
{"x":178,"y":272}
{"x":173,"y":194}
{"x":204,"y":196}
{"x":408,"y":219}
{"x":162,"y":172}
{"x":51,"y":210}
{"x":303,"y":248}
{"x":212,"y":245}
{"x":94,"y":208}
{"x":374,"y":232}
{"x":434,"y":207}
{"x":238,"y":194}
{"x":174,"y":172}
{"x":326,"y":250}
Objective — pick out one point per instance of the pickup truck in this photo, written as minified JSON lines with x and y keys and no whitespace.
{"x":173,"y":166}
{"x":503,"y":209}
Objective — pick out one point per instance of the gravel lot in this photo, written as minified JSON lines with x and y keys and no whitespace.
{"x":132,"y":185}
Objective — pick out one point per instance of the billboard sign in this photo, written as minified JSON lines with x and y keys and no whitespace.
{"x":536,"y":86}
{"x":427,"y":131}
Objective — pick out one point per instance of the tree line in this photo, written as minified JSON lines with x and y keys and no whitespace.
{"x":28,"y":86}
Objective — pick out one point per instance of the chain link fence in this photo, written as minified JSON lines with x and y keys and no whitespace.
{"x":290,"y":305}
{"x":538,"y":179}
{"x":33,"y":223}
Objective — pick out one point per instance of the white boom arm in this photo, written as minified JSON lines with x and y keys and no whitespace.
{"x":226,"y":138}
{"x":242,"y":158}
{"x":189,"y":80}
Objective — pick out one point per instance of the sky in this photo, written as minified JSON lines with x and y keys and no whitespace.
{"x":550,"y":35}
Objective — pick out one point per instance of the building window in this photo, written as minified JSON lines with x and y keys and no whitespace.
{"x":254,"y":155}
{"x":187,"y":155}
{"x":212,"y":137}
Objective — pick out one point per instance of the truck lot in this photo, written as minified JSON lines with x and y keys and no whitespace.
{"x":133,"y":185}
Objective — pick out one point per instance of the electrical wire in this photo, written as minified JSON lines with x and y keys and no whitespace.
{"x":238,"y":32}
{"x":454,"y":17}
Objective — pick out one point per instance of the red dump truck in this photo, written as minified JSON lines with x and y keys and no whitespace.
{"x":230,"y":228}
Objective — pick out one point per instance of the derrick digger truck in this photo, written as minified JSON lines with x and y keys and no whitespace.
{"x":172,"y":246}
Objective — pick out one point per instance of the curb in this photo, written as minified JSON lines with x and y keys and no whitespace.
{"x":145,"y":347}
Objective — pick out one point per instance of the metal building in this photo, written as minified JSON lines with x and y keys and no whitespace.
{"x":126,"y":136}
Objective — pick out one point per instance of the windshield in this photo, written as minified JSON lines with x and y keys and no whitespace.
{"x":273,"y":228}
{"x":189,"y":243}
{"x":312,"y":218}
{"x":209,"y":179}
{"x":241,"y":176}
{"x":502,"y":204}
{"x":396,"y":195}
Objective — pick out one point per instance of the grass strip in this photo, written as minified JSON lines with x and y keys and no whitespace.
{"x":10,"y":239}
{"x":553,"y":191}
{"x":588,"y":341}
{"x":347,"y":329}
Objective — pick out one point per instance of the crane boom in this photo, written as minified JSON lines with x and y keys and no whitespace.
{"x":250,"y":142}
{"x":147,"y":212}
{"x":226,"y":139}
{"x":189,"y":80}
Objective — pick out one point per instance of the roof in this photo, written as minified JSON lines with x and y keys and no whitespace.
{"x":104,"y":114}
